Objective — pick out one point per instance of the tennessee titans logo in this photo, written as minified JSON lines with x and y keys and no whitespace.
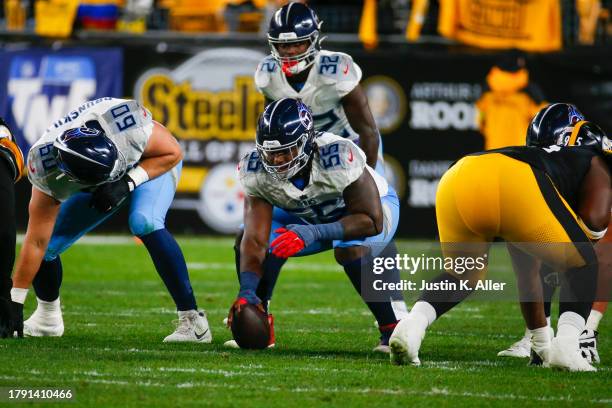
{"x":305,"y":116}
{"x":79,"y":132}
{"x":574,"y":115}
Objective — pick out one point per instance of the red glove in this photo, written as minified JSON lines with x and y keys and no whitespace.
{"x":287,"y":244}
{"x":238,"y":303}
{"x":236,"y":306}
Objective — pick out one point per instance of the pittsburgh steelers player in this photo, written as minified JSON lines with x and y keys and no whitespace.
{"x":11,"y":170}
{"x":543,"y":197}
{"x":544,"y":130}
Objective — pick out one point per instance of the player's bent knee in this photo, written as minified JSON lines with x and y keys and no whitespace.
{"x":345,"y":255}
{"x":142,"y":224}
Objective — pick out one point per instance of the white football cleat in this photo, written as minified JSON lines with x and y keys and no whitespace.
{"x":231,"y":344}
{"x":539,"y":356}
{"x":382,"y":348}
{"x":192,"y":327}
{"x":520,"y":349}
{"x":565,"y":355}
{"x":46,"y":321}
{"x":588,"y":346}
{"x":405,"y":341}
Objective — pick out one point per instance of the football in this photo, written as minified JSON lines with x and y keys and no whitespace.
{"x":250,"y":328}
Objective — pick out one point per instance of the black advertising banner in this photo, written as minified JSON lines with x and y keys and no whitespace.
{"x":424,"y":108}
{"x":423,"y":101}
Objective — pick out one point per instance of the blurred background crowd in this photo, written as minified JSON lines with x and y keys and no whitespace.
{"x":561,"y":22}
{"x":443,"y":78}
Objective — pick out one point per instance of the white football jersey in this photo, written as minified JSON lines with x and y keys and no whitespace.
{"x":331,"y":77}
{"x":337,"y":163}
{"x":126,"y":123}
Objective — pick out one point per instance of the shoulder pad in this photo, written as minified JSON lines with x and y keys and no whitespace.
{"x":126,"y":115}
{"x":340,"y":153}
{"x":266,"y":68}
{"x":248,"y":168}
{"x":339,"y":69}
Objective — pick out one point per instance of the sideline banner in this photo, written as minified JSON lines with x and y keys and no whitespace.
{"x":39,"y":85}
{"x":423,"y":102}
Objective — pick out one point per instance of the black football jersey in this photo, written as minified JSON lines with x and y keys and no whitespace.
{"x":566,"y":166}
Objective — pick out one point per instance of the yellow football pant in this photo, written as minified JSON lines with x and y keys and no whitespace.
{"x":492,"y":195}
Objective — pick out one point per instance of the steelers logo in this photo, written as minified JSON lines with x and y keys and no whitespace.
{"x":387,"y":102}
{"x":222,"y":199}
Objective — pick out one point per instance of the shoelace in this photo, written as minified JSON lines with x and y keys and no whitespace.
{"x":184,"y":325}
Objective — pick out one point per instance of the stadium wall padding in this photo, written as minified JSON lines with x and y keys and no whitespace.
{"x":422,"y":98}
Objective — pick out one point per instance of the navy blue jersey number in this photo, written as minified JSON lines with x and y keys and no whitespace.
{"x":125,"y":118}
{"x":254,"y":164}
{"x":329,"y":64}
{"x":330,"y":155}
{"x":268,"y":66}
{"x":46,"y":156}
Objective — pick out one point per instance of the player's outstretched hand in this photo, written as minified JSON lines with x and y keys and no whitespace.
{"x":240,"y":302}
{"x":287,"y":244}
{"x":11,"y":318}
{"x":110,"y":195}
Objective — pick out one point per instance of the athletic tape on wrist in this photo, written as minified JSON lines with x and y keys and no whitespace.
{"x":138,"y":176}
{"x":18,"y":295}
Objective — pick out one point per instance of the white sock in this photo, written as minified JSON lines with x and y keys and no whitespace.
{"x":570,"y":324}
{"x":399,"y":308}
{"x":527,"y":334}
{"x":425,"y":312}
{"x":18,"y":295}
{"x":540,"y":338}
{"x":593,"y":320}
{"x":50,"y":307}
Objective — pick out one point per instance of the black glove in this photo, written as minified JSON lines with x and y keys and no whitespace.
{"x":110,"y":195}
{"x":11,"y":318}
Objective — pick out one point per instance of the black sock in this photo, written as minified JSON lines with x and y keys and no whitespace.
{"x":392,"y":275}
{"x":48,"y":280}
{"x":382,"y":311}
{"x":550,"y":281}
{"x":578,"y":287}
{"x":444,"y":300}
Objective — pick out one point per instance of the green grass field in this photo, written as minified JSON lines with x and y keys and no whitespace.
{"x":116,"y":313}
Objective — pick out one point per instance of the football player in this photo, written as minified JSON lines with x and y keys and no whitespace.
{"x":330,"y":198}
{"x":11,"y":170}
{"x":327,"y":82}
{"x":558,"y":195}
{"x":554,"y":126}
{"x":88,"y":163}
